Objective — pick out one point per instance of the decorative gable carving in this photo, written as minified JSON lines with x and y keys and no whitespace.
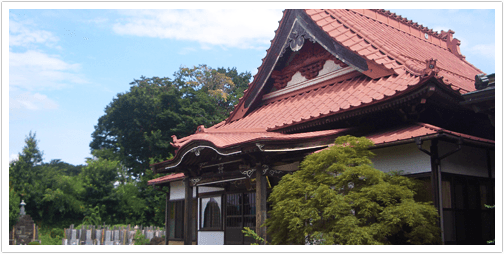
{"x":309,"y":62}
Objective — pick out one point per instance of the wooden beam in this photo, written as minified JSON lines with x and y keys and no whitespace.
{"x":167,"y":218}
{"x":188,"y":212}
{"x":261,"y":197}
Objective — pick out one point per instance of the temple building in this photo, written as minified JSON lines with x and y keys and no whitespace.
{"x":340,"y":72}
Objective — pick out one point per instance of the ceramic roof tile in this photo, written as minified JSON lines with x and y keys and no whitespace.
{"x":399,"y":45}
{"x":412,"y":131}
{"x":376,"y":41}
{"x":166,"y":178}
{"x":239,"y":136}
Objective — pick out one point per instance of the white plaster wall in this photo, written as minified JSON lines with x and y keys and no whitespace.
{"x":204,"y":189}
{"x":210,"y":238}
{"x":177,"y":190}
{"x":329,"y":66}
{"x":407,"y":158}
{"x":469,"y":161}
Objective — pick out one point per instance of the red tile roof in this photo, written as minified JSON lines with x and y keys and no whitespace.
{"x":223,"y":139}
{"x":384,"y":39}
{"x":375,"y":36}
{"x":323,"y":101}
{"x":415,"y":130}
{"x":166,"y":179}
{"x":401,"y":133}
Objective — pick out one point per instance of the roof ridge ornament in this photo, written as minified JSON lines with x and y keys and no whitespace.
{"x":297,"y":38}
{"x":200,"y":129}
{"x":430,"y":67}
{"x":453,"y":44}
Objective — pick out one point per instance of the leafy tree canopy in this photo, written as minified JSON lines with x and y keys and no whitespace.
{"x":138,"y":125}
{"x":14,"y":210}
{"x":51,"y":192}
{"x":337,"y":197}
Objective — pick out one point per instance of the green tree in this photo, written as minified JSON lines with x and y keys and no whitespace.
{"x":138,"y":125}
{"x":337,"y":197}
{"x":66,"y":168}
{"x":14,"y":202}
{"x":131,"y":204}
{"x":241,"y":82}
{"x":62,"y":202}
{"x":25,"y":176}
{"x":98,"y":179}
{"x":51,"y":191}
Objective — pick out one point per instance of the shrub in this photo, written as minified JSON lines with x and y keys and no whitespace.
{"x":337,"y":197}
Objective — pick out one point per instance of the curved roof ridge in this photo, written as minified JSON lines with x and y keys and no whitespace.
{"x":429,"y":32}
{"x":410,"y":23}
{"x":369,"y":38}
{"x":443,"y":36}
{"x":386,"y":49}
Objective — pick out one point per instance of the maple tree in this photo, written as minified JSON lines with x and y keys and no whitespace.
{"x":337,"y":197}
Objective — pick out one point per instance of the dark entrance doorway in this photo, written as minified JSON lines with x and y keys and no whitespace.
{"x":240,"y":212}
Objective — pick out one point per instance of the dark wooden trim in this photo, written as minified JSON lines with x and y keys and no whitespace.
{"x":419,"y":175}
{"x":197,"y":219}
{"x":489,"y":163}
{"x":261,"y":196}
{"x":342,"y":53}
{"x":188,"y":212}
{"x":435,"y":172}
{"x":167,"y":218}
{"x":211,"y":194}
{"x":224,"y":216}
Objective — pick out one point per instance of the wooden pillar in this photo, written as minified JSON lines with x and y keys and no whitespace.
{"x":435,"y":173}
{"x":261,"y":197}
{"x":197,"y":214}
{"x":188,"y":212}
{"x":436,"y":184}
{"x":167,"y":218}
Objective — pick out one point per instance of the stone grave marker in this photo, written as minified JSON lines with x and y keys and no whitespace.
{"x":107,"y":241}
{"x":89,"y":240}
{"x":98,"y":236}
{"x":73,"y":237}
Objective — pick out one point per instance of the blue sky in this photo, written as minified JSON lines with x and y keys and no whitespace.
{"x":66,"y":65}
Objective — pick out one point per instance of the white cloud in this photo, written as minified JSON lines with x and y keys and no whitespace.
{"x":229,"y":28}
{"x":31,"y":70}
{"x":31,"y":101}
{"x":34,"y":70}
{"x":23,"y":34}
